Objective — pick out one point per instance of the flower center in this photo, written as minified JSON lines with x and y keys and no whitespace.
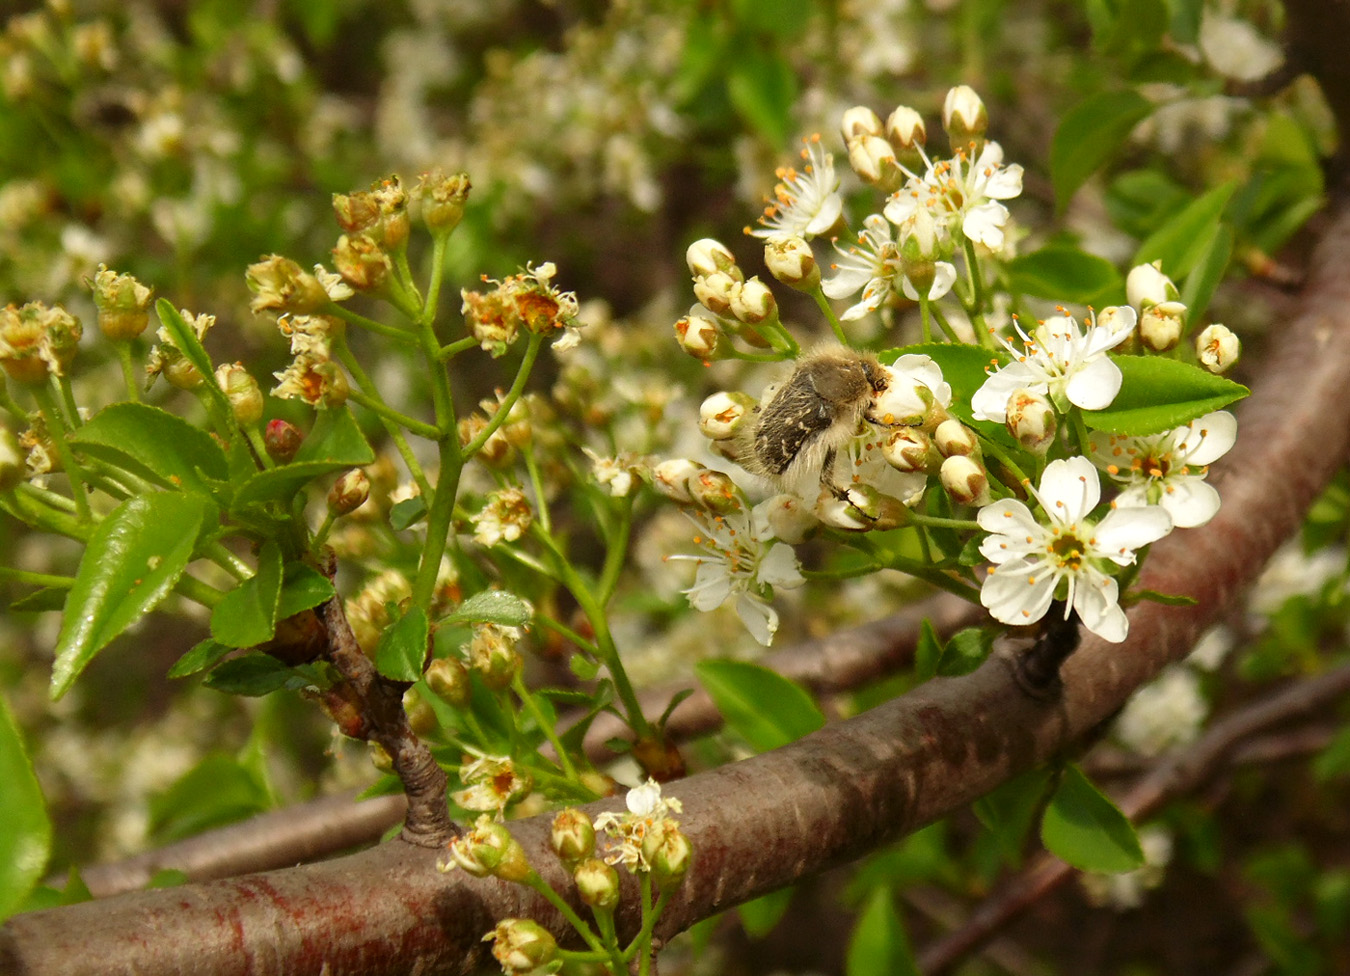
{"x":1068,"y":549}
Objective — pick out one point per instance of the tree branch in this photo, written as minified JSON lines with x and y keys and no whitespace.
{"x":770,"y":820}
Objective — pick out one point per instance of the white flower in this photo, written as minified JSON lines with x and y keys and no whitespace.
{"x":646,"y":808}
{"x":333,"y":284}
{"x":1065,"y":556}
{"x":1169,"y":469}
{"x":739,"y":562}
{"x":913,"y":386}
{"x":962,"y":193}
{"x":504,"y":518}
{"x":1066,"y":363}
{"x":875,"y":266}
{"x":491,"y":783}
{"x":1164,"y":714}
{"x":1235,"y":49}
{"x":619,"y":474}
{"x":805,"y":203}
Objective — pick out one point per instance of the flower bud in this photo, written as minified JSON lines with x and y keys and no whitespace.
{"x":873,"y":159}
{"x":573,"y":836}
{"x":521,"y":945}
{"x":909,"y":449}
{"x":753,"y":302}
{"x":723,"y":414}
{"x":1161,"y":325}
{"x":714,"y":291}
{"x":919,"y":250}
{"x":380,"y":213}
{"x":714,"y":491}
{"x":671,"y":478}
{"x":859,"y":121}
{"x":361,"y":261}
{"x":123,"y":304}
{"x":964,"y":117}
{"x":597,"y":884}
{"x":488,"y":849}
{"x":954,"y":438}
{"x":668,"y":852}
{"x":699,"y":335}
{"x":448,"y":679}
{"x":1146,"y":285}
{"x":441,"y":199}
{"x":1031,"y":420}
{"x":13,"y":467}
{"x":282,"y":439}
{"x":421,"y":716}
{"x":349,"y":492}
{"x":785,"y":518}
{"x":181,"y":373}
{"x":907,"y":135}
{"x":22,"y":346}
{"x":1217,"y":348}
{"x":241,"y":389}
{"x":708,"y":256}
{"x":791,"y":260}
{"x":965,"y":480}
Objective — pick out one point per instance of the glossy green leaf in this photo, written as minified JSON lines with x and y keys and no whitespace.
{"x":302,"y":588}
{"x":1157,"y":395}
{"x":878,"y":943}
{"x":407,"y":513}
{"x":157,"y":445}
{"x":185,"y":338}
{"x":132,"y":562}
{"x":1067,"y":274}
{"x":1206,"y":275}
{"x":201,"y":656}
{"x":927,"y":652}
{"x":1181,"y":242}
{"x":217,"y":791}
{"x":1008,"y":812}
{"x":758,"y":917}
{"x":43,"y":600}
{"x":1082,"y":827}
{"x":402,"y":651}
{"x":492,"y":607}
{"x":760,"y":705}
{"x":247,"y":615}
{"x":583,"y":667}
{"x":1089,"y":134}
{"x":257,"y":674}
{"x":26,"y":838}
{"x":335,"y":444}
{"x":966,"y":651}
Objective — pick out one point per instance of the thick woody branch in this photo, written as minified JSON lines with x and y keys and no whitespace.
{"x":763,"y":823}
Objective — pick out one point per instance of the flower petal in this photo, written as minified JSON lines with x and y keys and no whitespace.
{"x":1018,"y":592}
{"x":1069,"y":490}
{"x":780,"y":567}
{"x":990,"y":401}
{"x":1096,"y":600}
{"x":1209,"y":438}
{"x":1190,"y":501}
{"x":1127,"y":529}
{"x":1094,"y":385}
{"x":759,"y":618}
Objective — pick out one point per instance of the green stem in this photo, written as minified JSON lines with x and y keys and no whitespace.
{"x":545,"y":726}
{"x":573,"y":919}
{"x":990,"y":446}
{"x":604,"y":921}
{"x":616,"y":550}
{"x":68,"y":398}
{"x":370,"y":325}
{"x":926,"y":318}
{"x":56,"y":429}
{"x":1080,"y":431}
{"x":228,"y":561}
{"x":962,"y":525}
{"x":453,"y":349}
{"x":537,"y":483}
{"x":436,"y":275}
{"x":129,"y":375}
{"x":8,"y":404}
{"x":387,"y":413}
{"x":947,"y":328}
{"x":440,"y":514}
{"x":560,"y":628}
{"x":36,"y":579}
{"x":512,"y":395}
{"x":195,"y":589}
{"x":823,"y":304}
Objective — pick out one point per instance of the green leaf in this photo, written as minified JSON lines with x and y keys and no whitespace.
{"x":1181,"y":242}
{"x":966,"y":651}
{"x":759,"y":705}
{"x":1089,"y":134}
{"x":1157,"y":395}
{"x":335,"y":444}
{"x":492,"y":607}
{"x":1166,"y":599}
{"x":878,"y":943}
{"x":43,"y":600}
{"x":155,"y":444}
{"x":1082,"y":827}
{"x":254,"y":675}
{"x":1066,"y":274}
{"x":217,"y":791}
{"x":1208,"y":272}
{"x":402,"y":651}
{"x":185,"y":338}
{"x":302,"y":588}
{"x":132,"y":562}
{"x":927,"y":652}
{"x":1008,"y":811}
{"x":201,"y":656}
{"x":758,"y":917}
{"x":583,"y":667}
{"x":407,"y":513}
{"x":762,"y":88}
{"x":26,"y":839}
{"x":247,"y":615}
{"x":1334,"y":761}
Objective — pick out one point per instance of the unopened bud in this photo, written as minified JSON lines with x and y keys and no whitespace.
{"x":282,"y":439}
{"x":714,"y":291}
{"x":668,"y":852}
{"x":964,"y":116}
{"x":860,"y":121}
{"x":954,"y":438}
{"x":1161,"y":325}
{"x":1146,"y":285}
{"x":907,"y":135}
{"x":873,"y":159}
{"x":349,"y":492}
{"x":671,"y":478}
{"x":723,"y":414}
{"x":448,"y":679}
{"x":1031,"y":420}
{"x":840,"y":513}
{"x":421,"y":716}
{"x":965,"y":480}
{"x":791,"y":260}
{"x":521,"y":945}
{"x":573,"y":836}
{"x":1217,"y":348}
{"x":908,"y":449}
{"x":708,"y":256}
{"x":753,"y":302}
{"x":699,"y":335}
{"x":597,"y":884}
{"x":241,"y":389}
{"x":714,"y":491}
